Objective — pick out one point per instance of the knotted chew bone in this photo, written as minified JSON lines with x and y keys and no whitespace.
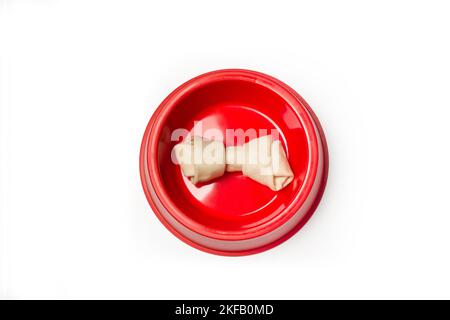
{"x":261,"y":159}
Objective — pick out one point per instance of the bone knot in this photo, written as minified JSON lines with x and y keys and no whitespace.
{"x":261,"y":159}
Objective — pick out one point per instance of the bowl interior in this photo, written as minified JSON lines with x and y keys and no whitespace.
{"x":232,"y":203}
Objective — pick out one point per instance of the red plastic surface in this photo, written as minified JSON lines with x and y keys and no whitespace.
{"x":234,"y":215}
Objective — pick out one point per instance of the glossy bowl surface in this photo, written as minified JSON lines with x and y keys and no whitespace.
{"x":233,"y":215}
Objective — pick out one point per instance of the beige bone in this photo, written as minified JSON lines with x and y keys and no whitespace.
{"x":261,"y":159}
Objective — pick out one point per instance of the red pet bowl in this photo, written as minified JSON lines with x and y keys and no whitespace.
{"x":234,"y":215}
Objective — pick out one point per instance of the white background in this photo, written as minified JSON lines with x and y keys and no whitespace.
{"x":80,"y":79}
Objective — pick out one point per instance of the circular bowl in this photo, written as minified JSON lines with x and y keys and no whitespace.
{"x":233,"y":215}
